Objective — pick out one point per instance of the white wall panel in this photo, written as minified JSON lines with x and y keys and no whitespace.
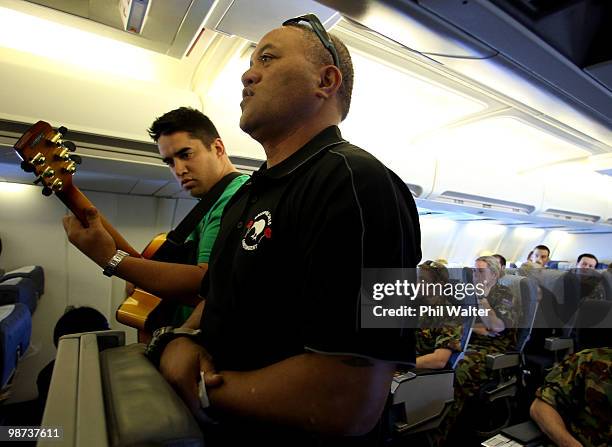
{"x":32,"y":233}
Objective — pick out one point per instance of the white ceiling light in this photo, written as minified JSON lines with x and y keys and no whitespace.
{"x":69,"y":45}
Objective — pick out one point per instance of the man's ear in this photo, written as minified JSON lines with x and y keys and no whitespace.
{"x":218,"y":146}
{"x":330,"y":79}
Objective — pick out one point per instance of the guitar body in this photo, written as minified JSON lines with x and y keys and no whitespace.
{"x":136,"y":308}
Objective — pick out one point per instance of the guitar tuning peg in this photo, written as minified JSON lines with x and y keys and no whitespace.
{"x":62,"y":130}
{"x":76,"y":158}
{"x":46,"y":191}
{"x":27,"y":166}
{"x":69,"y":145}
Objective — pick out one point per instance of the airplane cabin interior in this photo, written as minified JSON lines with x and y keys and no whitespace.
{"x":496,"y":114}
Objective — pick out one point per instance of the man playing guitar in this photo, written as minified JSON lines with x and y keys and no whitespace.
{"x":193,"y":150}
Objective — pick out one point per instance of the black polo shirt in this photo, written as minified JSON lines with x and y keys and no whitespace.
{"x":285,"y":271}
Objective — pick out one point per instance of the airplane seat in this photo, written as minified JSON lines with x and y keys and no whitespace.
{"x":607,"y":284}
{"x":104,"y":391}
{"x":524,"y":290}
{"x":15,"y":332}
{"x":19,"y":290}
{"x":459,"y":274}
{"x":551,"y":339}
{"x":552,"y":265}
{"x":421,"y":398}
{"x":34,"y":272}
{"x":591,"y":284}
{"x":511,"y":271}
{"x":504,"y":369}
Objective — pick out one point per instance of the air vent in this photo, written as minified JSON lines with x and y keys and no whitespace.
{"x":568,"y":215}
{"x":458,"y":198}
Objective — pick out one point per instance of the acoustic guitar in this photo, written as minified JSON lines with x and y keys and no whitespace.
{"x":46,"y":154}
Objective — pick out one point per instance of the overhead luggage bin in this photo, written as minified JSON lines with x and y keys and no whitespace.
{"x":581,"y":202}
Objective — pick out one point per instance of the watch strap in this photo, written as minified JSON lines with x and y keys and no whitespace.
{"x":112,"y":265}
{"x":162,"y":336}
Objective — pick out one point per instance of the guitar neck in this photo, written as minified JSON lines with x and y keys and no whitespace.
{"x":76,"y":201}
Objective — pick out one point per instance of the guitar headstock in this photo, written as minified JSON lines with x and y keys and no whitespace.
{"x":48,"y":156}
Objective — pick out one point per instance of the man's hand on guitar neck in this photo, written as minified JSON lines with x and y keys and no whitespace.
{"x":95,"y":242}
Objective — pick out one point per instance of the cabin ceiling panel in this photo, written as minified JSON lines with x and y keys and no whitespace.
{"x":148,"y":187}
{"x":500,"y":54}
{"x":168,"y":190}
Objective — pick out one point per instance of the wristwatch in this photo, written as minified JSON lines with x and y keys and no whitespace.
{"x":162,"y":336}
{"x":110,"y":268}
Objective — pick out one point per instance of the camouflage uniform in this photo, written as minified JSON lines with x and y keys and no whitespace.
{"x":430,"y":339}
{"x":580,"y":389}
{"x":471,"y":372}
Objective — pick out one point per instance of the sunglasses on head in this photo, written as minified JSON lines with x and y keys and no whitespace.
{"x":319,"y":30}
{"x":433,"y":264}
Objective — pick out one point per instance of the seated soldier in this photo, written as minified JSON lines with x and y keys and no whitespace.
{"x":540,"y":255}
{"x":495,"y":333}
{"x":502,"y":313}
{"x":502,"y":262}
{"x":586,"y":261}
{"x":574,"y":405}
{"x":591,"y":282}
{"x":438,"y":337}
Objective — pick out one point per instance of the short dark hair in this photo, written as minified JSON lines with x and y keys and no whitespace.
{"x":184,"y":119}
{"x":439,"y":271}
{"x":542,"y":247}
{"x":318,"y":54}
{"x":79,"y":319}
{"x":587,"y":255}
{"x":501,"y":259}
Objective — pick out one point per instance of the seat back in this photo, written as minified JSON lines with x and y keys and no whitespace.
{"x":468,"y":323}
{"x":590,"y":284}
{"x":560,"y":297}
{"x":607,"y":284}
{"x":525,"y":293}
{"x":420,"y":400}
{"x":106,"y":394}
{"x":15,"y":333}
{"x":32,"y":272}
{"x":19,"y":290}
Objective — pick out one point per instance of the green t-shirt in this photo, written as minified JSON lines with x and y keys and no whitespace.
{"x":205,"y":235}
{"x":206,"y":231}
